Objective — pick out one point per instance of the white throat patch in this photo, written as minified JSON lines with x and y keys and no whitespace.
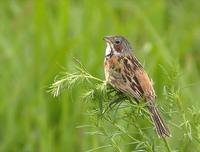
{"x":108,"y":49}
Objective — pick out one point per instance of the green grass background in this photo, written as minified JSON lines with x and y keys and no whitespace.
{"x":39,"y":38}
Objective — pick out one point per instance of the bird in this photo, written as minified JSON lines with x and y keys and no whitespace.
{"x":125,"y":73}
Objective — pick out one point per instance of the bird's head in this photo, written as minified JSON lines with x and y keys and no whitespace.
{"x":117,"y":45}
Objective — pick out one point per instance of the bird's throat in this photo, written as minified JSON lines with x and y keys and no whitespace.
{"x":109,"y":51}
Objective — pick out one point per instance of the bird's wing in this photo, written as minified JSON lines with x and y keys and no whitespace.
{"x":127,"y":75}
{"x":137,"y":81}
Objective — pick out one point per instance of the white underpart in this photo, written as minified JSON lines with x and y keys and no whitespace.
{"x":108,"y":49}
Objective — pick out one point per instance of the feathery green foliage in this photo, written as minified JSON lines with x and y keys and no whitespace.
{"x":109,"y":108}
{"x":39,"y":36}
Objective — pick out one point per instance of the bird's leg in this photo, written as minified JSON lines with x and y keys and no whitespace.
{"x":114,"y":102}
{"x":135,"y":101}
{"x":119,"y":97}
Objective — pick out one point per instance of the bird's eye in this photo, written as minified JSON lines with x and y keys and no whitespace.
{"x":117,"y":42}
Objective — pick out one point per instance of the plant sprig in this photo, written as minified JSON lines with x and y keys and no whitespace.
{"x":67,"y":80}
{"x":109,"y":108}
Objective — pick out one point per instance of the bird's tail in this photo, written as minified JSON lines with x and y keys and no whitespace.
{"x":161,"y":128}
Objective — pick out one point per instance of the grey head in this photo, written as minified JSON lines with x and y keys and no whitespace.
{"x":117,"y":45}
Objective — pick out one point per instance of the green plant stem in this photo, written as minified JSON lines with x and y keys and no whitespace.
{"x":94,"y":78}
{"x":166,"y":144}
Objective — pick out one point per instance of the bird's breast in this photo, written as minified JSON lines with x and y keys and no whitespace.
{"x":111,"y":66}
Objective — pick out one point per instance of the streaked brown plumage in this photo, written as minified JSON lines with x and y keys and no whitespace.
{"x":125,"y":73}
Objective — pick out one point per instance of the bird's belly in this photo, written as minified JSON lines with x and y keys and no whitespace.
{"x":117,"y":76}
{"x":110,"y":67}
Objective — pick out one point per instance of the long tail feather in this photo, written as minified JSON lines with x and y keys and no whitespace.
{"x":161,"y":128}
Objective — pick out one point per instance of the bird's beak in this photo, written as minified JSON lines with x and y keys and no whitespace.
{"x":107,"y":38}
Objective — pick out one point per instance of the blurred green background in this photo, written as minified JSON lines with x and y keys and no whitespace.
{"x":39,"y":38}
